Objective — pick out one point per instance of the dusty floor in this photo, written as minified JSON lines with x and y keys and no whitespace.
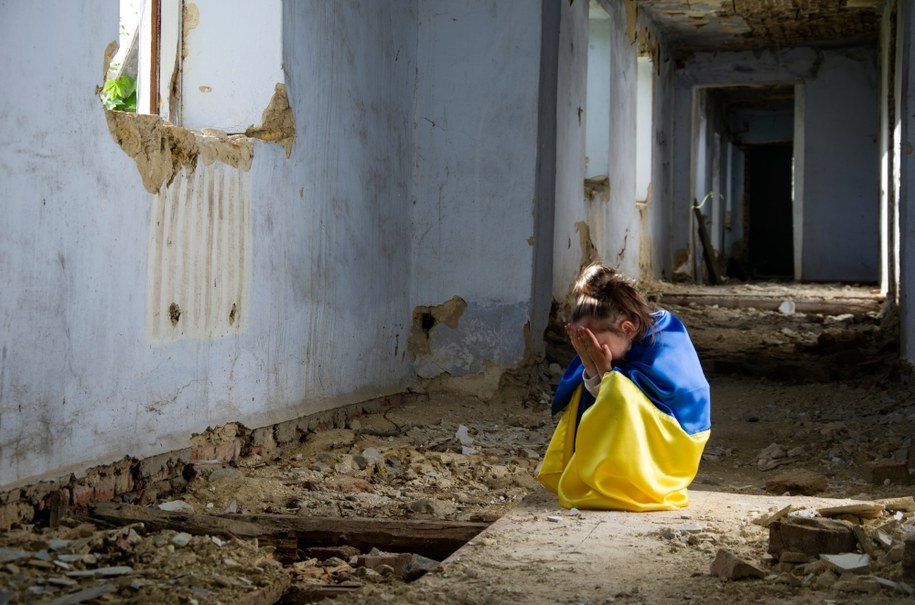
{"x":791,"y":391}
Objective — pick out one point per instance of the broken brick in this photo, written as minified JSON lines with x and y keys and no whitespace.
{"x":396,"y":561}
{"x":908,"y":558}
{"x":797,"y":482}
{"x":728,"y":566}
{"x":812,"y":536}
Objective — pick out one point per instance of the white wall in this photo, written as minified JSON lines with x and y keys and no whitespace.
{"x":841,"y":188}
{"x":233,"y":58}
{"x":329,"y":308}
{"x":904,"y":67}
{"x":597,"y":109}
{"x":417,"y":174}
{"x":473,"y":209}
{"x":575,"y":90}
{"x":81,"y":383}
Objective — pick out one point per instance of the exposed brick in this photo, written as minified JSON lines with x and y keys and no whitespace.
{"x":397,"y":561}
{"x":82,"y":495}
{"x":812,"y":536}
{"x":15,"y":514}
{"x":262,"y":442}
{"x":287,"y":432}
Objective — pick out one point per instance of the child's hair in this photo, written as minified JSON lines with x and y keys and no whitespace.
{"x":604,"y":293}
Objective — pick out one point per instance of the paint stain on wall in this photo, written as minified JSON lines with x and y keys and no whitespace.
{"x":199,"y":258}
{"x":632,"y":15}
{"x":427,"y":317}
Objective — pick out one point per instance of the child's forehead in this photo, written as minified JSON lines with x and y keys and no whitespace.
{"x":596,"y":324}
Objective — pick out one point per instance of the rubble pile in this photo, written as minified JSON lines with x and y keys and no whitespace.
{"x":81,"y":562}
{"x":864,"y":547}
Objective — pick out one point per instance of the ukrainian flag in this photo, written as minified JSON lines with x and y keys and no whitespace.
{"x":636,"y":447}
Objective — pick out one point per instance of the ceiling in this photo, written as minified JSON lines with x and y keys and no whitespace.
{"x":706,"y":25}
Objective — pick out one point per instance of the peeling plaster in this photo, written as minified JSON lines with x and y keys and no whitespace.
{"x":160,"y":149}
{"x":645,"y":234}
{"x":587,"y":248}
{"x":425,"y":318}
{"x":597,"y":189}
{"x":277,"y":122}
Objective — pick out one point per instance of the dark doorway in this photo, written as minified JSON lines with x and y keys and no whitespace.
{"x":769,"y":232}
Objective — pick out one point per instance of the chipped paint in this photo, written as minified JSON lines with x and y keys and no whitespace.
{"x":199,"y":256}
{"x":586,"y":246}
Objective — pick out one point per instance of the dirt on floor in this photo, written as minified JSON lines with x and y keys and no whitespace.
{"x":808,"y":397}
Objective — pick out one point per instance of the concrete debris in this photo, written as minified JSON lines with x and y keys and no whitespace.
{"x":814,"y":536}
{"x":908,"y":557}
{"x":848,"y":562}
{"x":177,"y":506}
{"x":886,"y":472}
{"x":797,"y":482}
{"x":728,"y":566}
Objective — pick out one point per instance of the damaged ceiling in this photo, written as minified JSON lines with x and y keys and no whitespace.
{"x":708,"y":25}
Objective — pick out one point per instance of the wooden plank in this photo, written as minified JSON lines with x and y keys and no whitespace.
{"x":303,"y":593}
{"x":707,"y":252}
{"x":267,"y":595}
{"x":772,"y":303}
{"x":432,"y":538}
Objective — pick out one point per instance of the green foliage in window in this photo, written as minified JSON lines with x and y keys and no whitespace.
{"x":120,"y":94}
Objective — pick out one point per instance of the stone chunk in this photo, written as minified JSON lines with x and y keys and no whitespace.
{"x":905,"y":504}
{"x":417,"y":567}
{"x":728,"y":566}
{"x":812,"y":536}
{"x":849,"y":562}
{"x":865,"y":510}
{"x":396,"y":561}
{"x":889,"y":471}
{"x":865,"y":584}
{"x":908,"y":558}
{"x":797,"y":482}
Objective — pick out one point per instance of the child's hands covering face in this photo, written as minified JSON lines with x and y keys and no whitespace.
{"x":595,"y":356}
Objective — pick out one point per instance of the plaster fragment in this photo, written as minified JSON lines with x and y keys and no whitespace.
{"x":277,"y":122}
{"x":160,"y":149}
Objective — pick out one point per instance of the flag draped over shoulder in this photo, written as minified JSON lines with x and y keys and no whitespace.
{"x":638,"y":445}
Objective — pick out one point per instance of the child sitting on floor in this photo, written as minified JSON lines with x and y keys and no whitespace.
{"x":634,"y":401}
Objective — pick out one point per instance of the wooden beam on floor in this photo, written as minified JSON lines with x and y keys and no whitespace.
{"x":772,"y":303}
{"x":432,"y":538}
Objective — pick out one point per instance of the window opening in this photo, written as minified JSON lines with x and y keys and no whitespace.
{"x":597,"y":125}
{"x":644,"y":128}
